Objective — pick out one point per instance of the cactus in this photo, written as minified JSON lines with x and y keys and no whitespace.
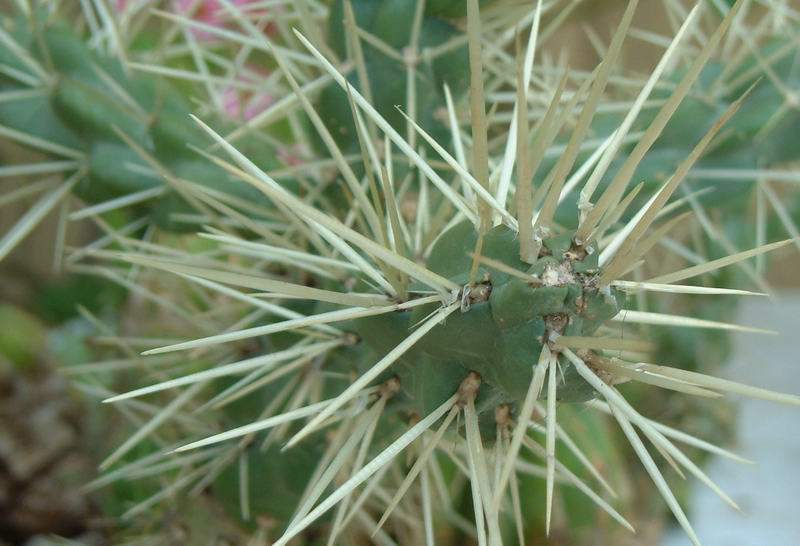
{"x":394,"y":24}
{"x":388,"y":293}
{"x":114,"y":124}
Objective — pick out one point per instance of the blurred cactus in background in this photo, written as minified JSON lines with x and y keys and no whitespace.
{"x":397,"y":270}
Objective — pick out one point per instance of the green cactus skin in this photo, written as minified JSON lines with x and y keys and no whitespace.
{"x":392,"y":21}
{"x":83,"y":112}
{"x":450,"y":8}
{"x":499,"y":333}
{"x":499,"y":336}
{"x":276,"y":481}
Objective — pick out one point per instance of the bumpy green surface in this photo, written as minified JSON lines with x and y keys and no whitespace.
{"x":499,"y":336}
{"x":392,"y":22}
{"x":92,"y":99}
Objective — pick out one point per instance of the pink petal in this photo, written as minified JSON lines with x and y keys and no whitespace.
{"x":257,"y":104}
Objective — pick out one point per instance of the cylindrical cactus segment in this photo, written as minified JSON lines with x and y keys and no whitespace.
{"x":503,"y":322}
{"x":387,"y":76}
{"x":95,"y":107}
